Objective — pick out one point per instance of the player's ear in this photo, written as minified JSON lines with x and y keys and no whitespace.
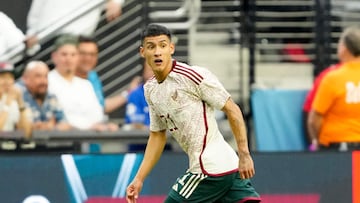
{"x":172,"y":48}
{"x":141,"y":51}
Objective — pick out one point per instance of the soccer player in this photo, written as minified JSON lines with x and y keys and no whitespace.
{"x":182,"y":99}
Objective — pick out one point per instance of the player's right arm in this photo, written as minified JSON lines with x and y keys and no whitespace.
{"x":237,"y":124}
{"x":154,"y":149}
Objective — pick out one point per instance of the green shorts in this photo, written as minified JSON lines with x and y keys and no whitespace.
{"x":202,"y":188}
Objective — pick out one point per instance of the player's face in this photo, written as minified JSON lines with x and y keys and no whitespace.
{"x":157,"y":51}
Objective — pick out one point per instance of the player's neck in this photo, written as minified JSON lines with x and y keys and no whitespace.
{"x":161,"y":76}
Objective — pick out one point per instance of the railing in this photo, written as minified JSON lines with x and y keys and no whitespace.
{"x":190,"y":9}
{"x":47,"y":32}
{"x":119,"y":60}
{"x":60,"y":141}
{"x":281,"y":24}
{"x":307,"y":24}
{"x":77,"y":141}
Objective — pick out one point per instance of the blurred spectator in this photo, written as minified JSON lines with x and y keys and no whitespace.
{"x":12,"y":40}
{"x":13,"y":113}
{"x":334,"y":119}
{"x":309,"y":100}
{"x":46,"y":112}
{"x":137,"y":109}
{"x":44,"y":13}
{"x":75,"y":95}
{"x":88,"y":59}
{"x":295,"y":52}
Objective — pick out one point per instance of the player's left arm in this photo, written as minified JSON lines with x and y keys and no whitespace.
{"x":238,"y":128}
{"x":153,"y":151}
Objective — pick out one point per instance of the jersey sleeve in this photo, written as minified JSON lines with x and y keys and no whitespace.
{"x":212,"y":91}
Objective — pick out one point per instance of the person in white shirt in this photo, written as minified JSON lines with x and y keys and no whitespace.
{"x":76,"y":95}
{"x":12,"y":39}
{"x":44,"y":13}
{"x":88,"y":52}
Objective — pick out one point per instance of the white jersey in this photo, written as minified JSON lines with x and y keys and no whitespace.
{"x":184,"y":103}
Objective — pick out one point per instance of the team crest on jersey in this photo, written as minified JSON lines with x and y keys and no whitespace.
{"x":175,"y":95}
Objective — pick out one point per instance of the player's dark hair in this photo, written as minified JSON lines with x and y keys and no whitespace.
{"x":153,"y":30}
{"x":351,"y":40}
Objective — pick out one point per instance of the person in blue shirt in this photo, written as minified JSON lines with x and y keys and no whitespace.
{"x":46,"y":112}
{"x":137,"y":110}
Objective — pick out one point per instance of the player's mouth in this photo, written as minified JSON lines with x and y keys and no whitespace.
{"x":158,"y":62}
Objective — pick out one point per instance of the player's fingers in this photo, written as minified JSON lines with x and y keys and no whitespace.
{"x":242,"y":175}
{"x":130,"y":198}
{"x":131,"y":195}
{"x":246,"y":174}
{"x":250,"y":173}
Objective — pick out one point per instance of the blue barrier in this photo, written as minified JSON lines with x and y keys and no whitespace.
{"x":77,"y":178}
{"x":278,"y":119}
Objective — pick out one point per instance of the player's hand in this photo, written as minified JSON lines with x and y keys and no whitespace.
{"x":246,"y":166}
{"x":133,"y":190}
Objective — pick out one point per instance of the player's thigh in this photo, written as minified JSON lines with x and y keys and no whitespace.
{"x":199,"y":188}
{"x":241,"y":191}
